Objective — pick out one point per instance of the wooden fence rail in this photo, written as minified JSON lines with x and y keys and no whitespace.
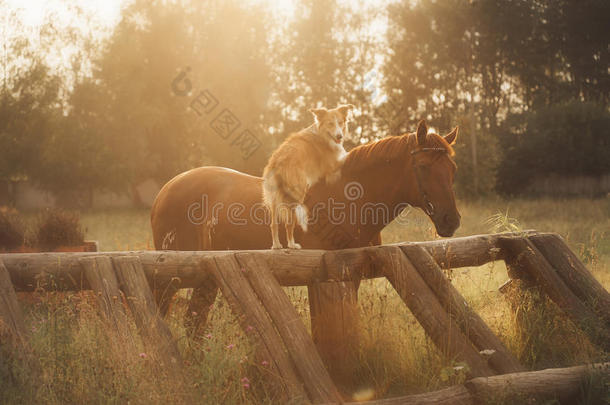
{"x":563,"y":384}
{"x":63,"y":271}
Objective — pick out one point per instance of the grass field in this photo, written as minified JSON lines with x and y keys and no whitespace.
{"x":73,"y":358}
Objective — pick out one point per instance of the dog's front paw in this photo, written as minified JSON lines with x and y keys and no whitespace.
{"x":294,"y":245}
{"x":277,"y":246}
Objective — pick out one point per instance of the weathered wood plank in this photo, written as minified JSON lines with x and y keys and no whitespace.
{"x":99,"y":272}
{"x":302,"y":267}
{"x":11,"y":316}
{"x":153,"y":329}
{"x":526,"y":257}
{"x":468,"y":251}
{"x":424,"y":305}
{"x":471,"y":324}
{"x":563,"y":384}
{"x":297,"y":340}
{"x":574,"y":273}
{"x":246,"y":305}
{"x":335,"y":325}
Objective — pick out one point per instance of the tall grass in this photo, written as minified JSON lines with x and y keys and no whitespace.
{"x":73,"y":358}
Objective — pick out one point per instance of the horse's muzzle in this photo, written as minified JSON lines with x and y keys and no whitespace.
{"x":447,"y":225}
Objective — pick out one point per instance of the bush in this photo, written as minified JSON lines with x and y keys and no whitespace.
{"x":12,"y":230}
{"x":58,"y":228}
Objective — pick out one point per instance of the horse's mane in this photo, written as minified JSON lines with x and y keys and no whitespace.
{"x":389,"y":148}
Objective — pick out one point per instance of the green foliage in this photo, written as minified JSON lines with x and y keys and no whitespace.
{"x":568,"y":139}
{"x":478,"y":62}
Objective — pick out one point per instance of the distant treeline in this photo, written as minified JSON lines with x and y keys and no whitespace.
{"x":189,"y":83}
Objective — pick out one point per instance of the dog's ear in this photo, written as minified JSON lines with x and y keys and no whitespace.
{"x":318,"y":113}
{"x":344,"y":109}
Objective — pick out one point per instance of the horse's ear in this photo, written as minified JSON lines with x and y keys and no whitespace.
{"x":451,"y":136}
{"x":318,"y":113}
{"x":422,"y":131}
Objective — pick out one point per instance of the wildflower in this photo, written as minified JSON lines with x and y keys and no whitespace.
{"x":143,"y":355}
{"x":249,"y":328}
{"x":243,"y":269}
{"x":194,"y":313}
{"x":230,"y":346}
{"x":246,"y":385}
{"x":245,"y":382}
{"x":264,"y":363}
{"x":208,"y":336}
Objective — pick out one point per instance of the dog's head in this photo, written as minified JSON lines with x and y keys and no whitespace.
{"x":332,"y":123}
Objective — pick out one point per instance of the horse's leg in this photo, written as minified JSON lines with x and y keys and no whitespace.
{"x":163,"y":296}
{"x":199,"y":307}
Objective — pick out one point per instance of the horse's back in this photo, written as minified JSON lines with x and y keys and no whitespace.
{"x":178,"y":215}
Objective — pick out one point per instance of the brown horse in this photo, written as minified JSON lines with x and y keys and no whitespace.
{"x":215,"y":208}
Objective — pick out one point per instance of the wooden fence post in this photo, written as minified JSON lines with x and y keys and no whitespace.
{"x":525,"y":256}
{"x":291,"y":328}
{"x":424,"y":305}
{"x":471,"y":324}
{"x":245,"y":304}
{"x":100,"y":274}
{"x":574,"y":273}
{"x":334,"y":325}
{"x":140,"y":299}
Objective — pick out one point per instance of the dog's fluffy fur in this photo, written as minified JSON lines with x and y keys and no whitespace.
{"x":301,"y":161}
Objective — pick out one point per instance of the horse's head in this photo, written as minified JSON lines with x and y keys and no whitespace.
{"x":433,"y":171}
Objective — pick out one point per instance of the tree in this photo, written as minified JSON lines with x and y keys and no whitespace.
{"x":569,"y":139}
{"x":29,"y":102}
{"x":323,"y":58}
{"x":445,"y":65}
{"x":478,"y":62}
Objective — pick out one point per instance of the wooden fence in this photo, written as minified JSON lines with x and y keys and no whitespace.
{"x":251,"y":283}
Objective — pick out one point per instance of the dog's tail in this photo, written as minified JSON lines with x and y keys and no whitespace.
{"x":277,"y":193}
{"x":301,"y":216}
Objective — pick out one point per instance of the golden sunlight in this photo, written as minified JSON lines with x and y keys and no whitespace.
{"x":34,"y":12}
